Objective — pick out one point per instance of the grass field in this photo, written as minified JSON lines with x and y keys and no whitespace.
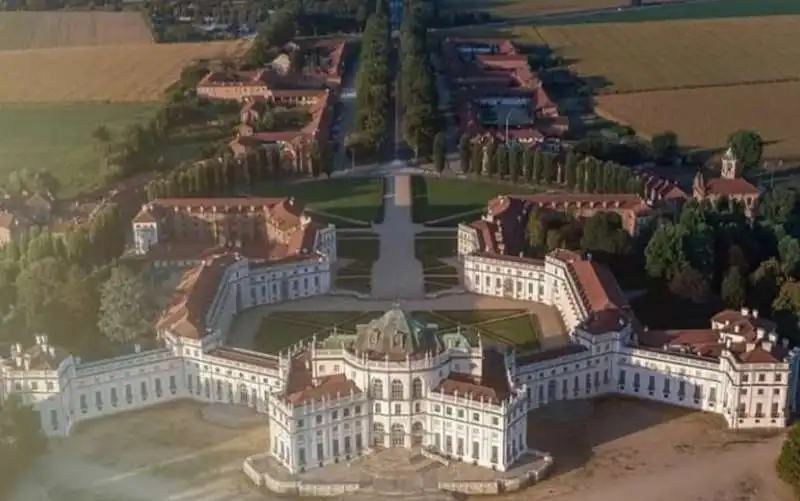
{"x":356,"y":255}
{"x":121,"y":73}
{"x":355,"y":198}
{"x":436,"y":198}
{"x":686,"y":10}
{"x":635,"y":57}
{"x":57,"y":138}
{"x":41,"y":30}
{"x":703,"y":118}
{"x":280,"y":330}
{"x":507,"y":9}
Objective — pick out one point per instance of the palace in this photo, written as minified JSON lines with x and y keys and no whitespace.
{"x":394,"y":381}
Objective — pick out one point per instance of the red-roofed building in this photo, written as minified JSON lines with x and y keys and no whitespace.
{"x":729,"y":185}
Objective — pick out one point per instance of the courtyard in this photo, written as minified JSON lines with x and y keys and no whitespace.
{"x":281,"y":329}
{"x":436,"y":251}
{"x":609,"y":449}
{"x":356,"y":251}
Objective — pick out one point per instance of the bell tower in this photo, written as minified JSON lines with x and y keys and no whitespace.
{"x":730,"y":165}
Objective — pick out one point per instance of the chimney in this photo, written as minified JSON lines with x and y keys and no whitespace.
{"x":785,"y":342}
{"x":760,"y":333}
{"x":755,"y":313}
{"x":773,"y":338}
{"x":52,"y":351}
{"x":727,"y":343}
{"x":750,"y":346}
{"x":766,"y":346}
{"x":745,"y":312}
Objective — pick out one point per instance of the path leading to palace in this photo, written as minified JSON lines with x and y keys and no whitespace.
{"x":397,"y":274}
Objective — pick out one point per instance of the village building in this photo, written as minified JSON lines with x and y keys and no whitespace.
{"x":729,"y":185}
{"x":498,"y":94}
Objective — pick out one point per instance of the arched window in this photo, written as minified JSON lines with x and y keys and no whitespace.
{"x":397,"y":389}
{"x":416,"y":388}
{"x":377,"y":389}
{"x":398,"y":435}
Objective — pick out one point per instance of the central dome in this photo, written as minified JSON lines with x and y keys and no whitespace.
{"x":396,"y":335}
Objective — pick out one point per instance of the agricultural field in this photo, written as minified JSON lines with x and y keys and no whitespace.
{"x":124,"y":73}
{"x":42,"y":30}
{"x":703,"y":118}
{"x":57,"y":138}
{"x":693,"y":9}
{"x":509,"y":9}
{"x":637,"y":57}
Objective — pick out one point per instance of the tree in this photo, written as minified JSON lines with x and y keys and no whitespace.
{"x":788,"y":465}
{"x":786,"y":308}
{"x":535,"y":231}
{"x":126,"y":307}
{"x":439,"y":152}
{"x":665,"y":146}
{"x":571,"y":170}
{"x":102,"y":136}
{"x":732,"y":289}
{"x":748,"y":147}
{"x":464,"y":153}
{"x":664,"y":254}
{"x":690,"y":284}
{"x":603,"y":232}
{"x":21,"y":438}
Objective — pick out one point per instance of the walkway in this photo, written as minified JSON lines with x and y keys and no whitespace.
{"x":397,"y":274}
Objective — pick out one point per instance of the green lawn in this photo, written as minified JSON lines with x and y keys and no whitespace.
{"x":57,"y":139}
{"x":363,"y":251}
{"x":280,"y":330}
{"x":359,"y":199}
{"x":436,"y":198}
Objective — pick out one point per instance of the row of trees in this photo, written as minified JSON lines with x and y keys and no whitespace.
{"x":222,"y":175}
{"x":372,"y":87}
{"x":418,"y":96}
{"x":528,"y":163}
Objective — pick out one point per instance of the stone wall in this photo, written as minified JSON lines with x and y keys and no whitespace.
{"x":295,"y":487}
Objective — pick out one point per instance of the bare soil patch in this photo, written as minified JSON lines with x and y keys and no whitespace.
{"x":623,"y":442}
{"x":171,"y":439}
{"x":41,"y":30}
{"x":703,"y":118}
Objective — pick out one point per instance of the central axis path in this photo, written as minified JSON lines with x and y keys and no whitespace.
{"x":397,"y":274}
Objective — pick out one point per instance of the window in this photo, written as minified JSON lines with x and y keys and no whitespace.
{"x":777,"y":377}
{"x":698,"y":393}
{"x":460,"y":414}
{"x":190,"y":383}
{"x":53,"y":419}
{"x":301,"y":456}
{"x":114,"y":399}
{"x":377,"y":389}
{"x":143,"y":390}
{"x":377,"y":408}
{"x":219,"y":390}
{"x":335,"y":415}
{"x":319,"y":419}
{"x":476,"y":450}
{"x":495,"y":421}
{"x":621,"y":380}
{"x":397,"y":389}
{"x":745,"y":378}
{"x":774,"y":411}
{"x":495,"y":454}
{"x":345,"y":412}
{"x":416,"y":388}
{"x":358,"y":409}
{"x":173,"y":385}
{"x":98,"y":400}
{"x":128,"y":394}
{"x":460,"y":446}
{"x":712,"y":395}
{"x":83,"y":404}
{"x":300,"y":423}
{"x":666,"y":386}
{"x":347,"y":445}
{"x":759,"y":410}
{"x":476,"y":417}
{"x":762,"y":378}
{"x":158,"y":387}
{"x":448,"y":411}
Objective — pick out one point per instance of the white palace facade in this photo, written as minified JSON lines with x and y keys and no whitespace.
{"x":395,"y":381}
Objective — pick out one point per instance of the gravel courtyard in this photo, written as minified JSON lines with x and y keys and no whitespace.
{"x":612,"y":450}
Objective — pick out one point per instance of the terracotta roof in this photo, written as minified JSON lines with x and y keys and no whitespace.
{"x":8,"y":220}
{"x":328,"y":388}
{"x":725,"y":186}
{"x":492,"y":387}
{"x":196,"y":290}
{"x":710,"y":343}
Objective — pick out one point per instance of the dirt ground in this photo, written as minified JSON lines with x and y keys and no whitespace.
{"x":615,"y":449}
{"x":166,"y":452}
{"x":608,"y":450}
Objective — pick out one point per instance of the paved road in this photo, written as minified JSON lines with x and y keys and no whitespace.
{"x":397,"y":273}
{"x":346,"y":117}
